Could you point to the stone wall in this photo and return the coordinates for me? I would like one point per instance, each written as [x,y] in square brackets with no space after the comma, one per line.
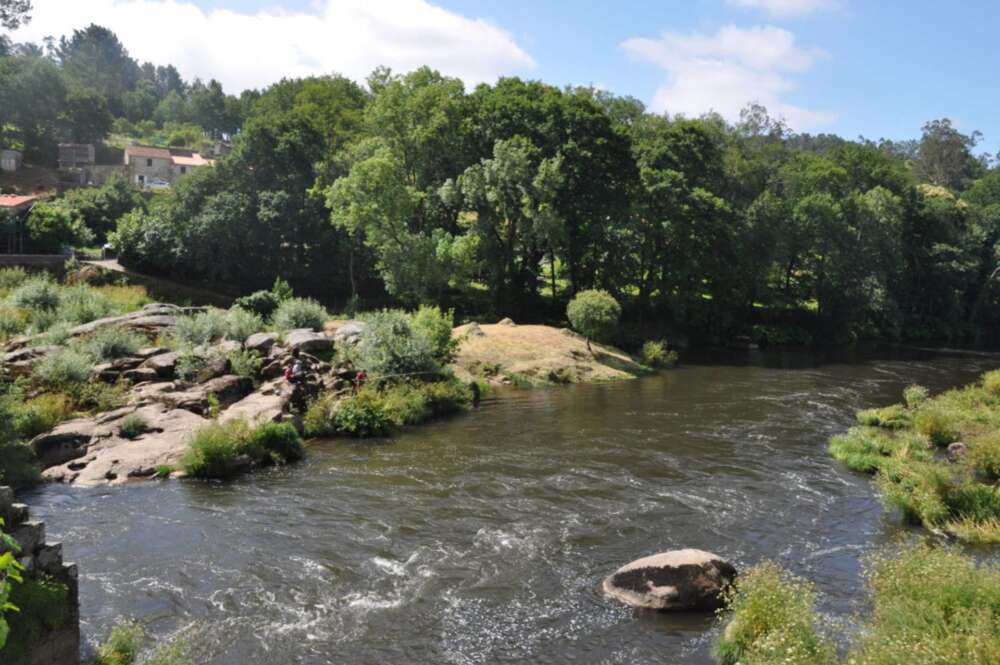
[60,646]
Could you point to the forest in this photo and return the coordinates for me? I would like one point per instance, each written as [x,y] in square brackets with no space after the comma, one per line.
[507,199]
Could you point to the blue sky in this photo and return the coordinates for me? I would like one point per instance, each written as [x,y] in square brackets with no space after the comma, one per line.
[878,69]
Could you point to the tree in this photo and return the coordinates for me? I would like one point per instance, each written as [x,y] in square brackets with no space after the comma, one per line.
[944,156]
[595,315]
[94,58]
[14,13]
[100,208]
[51,228]
[86,116]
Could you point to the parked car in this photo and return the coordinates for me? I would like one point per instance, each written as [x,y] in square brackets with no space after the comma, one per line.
[157,183]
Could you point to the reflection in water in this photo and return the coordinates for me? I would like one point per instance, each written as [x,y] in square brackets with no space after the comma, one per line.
[484,539]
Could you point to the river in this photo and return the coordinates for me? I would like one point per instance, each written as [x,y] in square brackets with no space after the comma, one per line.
[484,539]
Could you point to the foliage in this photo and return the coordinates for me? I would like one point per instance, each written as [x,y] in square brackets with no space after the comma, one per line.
[245,363]
[215,448]
[262,303]
[413,403]
[390,347]
[202,328]
[595,315]
[63,367]
[43,604]
[133,426]
[936,424]
[40,414]
[10,573]
[890,417]
[362,415]
[113,342]
[11,278]
[242,323]
[37,293]
[299,313]
[436,326]
[655,354]
[915,395]
[122,645]
[771,620]
[51,228]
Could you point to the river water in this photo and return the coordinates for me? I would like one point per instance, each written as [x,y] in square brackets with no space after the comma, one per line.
[484,539]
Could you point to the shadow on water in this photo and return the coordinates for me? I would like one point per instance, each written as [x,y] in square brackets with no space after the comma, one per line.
[484,539]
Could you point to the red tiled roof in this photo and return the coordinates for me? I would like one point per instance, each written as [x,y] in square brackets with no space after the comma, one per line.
[15,200]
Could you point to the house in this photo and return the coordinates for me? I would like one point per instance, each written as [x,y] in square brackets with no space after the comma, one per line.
[10,160]
[76,155]
[14,208]
[152,167]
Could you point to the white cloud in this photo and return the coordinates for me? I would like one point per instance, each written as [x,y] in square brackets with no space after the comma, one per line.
[786,8]
[725,71]
[245,50]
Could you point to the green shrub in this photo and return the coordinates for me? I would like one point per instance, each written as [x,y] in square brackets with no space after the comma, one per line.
[242,323]
[97,396]
[415,403]
[43,605]
[389,347]
[281,290]
[41,414]
[595,315]
[133,426]
[13,322]
[936,424]
[281,440]
[299,313]
[63,367]
[984,454]
[57,334]
[202,329]
[436,327]
[772,620]
[37,293]
[261,303]
[655,354]
[917,489]
[915,395]
[889,417]
[113,342]
[991,382]
[189,363]
[11,278]
[245,363]
[866,450]
[122,645]
[361,415]
[974,501]
[83,304]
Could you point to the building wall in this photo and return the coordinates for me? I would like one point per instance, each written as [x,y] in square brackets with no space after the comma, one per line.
[149,168]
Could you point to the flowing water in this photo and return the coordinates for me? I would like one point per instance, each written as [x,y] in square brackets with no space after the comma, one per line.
[484,539]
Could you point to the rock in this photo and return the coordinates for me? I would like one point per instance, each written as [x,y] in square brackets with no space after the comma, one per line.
[30,353]
[215,366]
[273,369]
[677,580]
[264,405]
[956,451]
[349,333]
[474,330]
[308,341]
[228,346]
[229,389]
[68,440]
[261,342]
[30,536]
[140,374]
[506,322]
[149,352]
[225,389]
[164,364]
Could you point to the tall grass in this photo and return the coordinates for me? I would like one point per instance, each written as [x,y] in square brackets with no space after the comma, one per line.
[215,449]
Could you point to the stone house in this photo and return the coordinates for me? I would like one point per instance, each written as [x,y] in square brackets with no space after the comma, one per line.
[152,167]
[10,160]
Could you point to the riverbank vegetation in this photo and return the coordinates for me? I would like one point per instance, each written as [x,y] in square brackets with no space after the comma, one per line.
[927,605]
[953,491]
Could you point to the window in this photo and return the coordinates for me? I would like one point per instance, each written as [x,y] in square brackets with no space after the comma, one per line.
[184,170]
[149,162]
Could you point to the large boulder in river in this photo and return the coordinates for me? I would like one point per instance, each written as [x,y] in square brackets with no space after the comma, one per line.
[676,580]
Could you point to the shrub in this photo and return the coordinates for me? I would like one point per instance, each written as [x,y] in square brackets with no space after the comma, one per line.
[655,354]
[991,382]
[113,342]
[13,321]
[281,440]
[82,304]
[241,323]
[594,314]
[984,454]
[122,645]
[299,313]
[937,425]
[202,329]
[97,396]
[772,620]
[40,414]
[50,228]
[974,501]
[262,303]
[389,347]
[361,415]
[63,367]
[11,278]
[915,395]
[133,426]
[436,327]
[889,417]
[43,603]
[917,489]
[57,334]
[37,293]
[245,363]
[189,363]
[866,450]
[412,404]
[124,297]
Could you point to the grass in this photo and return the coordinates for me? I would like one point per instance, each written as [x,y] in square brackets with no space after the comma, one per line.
[122,645]
[215,449]
[362,415]
[896,444]
[133,426]
[928,605]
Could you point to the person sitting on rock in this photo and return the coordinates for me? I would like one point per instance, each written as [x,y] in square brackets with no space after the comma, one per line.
[296,376]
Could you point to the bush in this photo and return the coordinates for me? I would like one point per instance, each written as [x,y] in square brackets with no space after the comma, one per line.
[82,304]
[11,278]
[37,293]
[44,605]
[595,315]
[281,440]
[984,454]
[655,354]
[245,363]
[262,303]
[215,447]
[122,645]
[202,329]
[412,404]
[937,425]
[889,417]
[189,363]
[772,620]
[97,396]
[436,327]
[917,489]
[64,367]
[361,415]
[51,228]
[133,426]
[41,414]
[390,347]
[915,395]
[241,323]
[13,322]
[299,313]
[58,334]
[113,342]
[991,382]
[866,450]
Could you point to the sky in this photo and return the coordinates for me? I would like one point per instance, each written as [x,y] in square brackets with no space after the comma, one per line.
[850,67]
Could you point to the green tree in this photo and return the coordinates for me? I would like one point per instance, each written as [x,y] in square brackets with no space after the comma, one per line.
[100,208]
[94,58]
[944,155]
[51,228]
[14,13]
[86,116]
[595,315]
